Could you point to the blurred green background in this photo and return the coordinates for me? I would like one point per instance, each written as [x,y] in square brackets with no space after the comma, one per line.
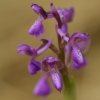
[16,17]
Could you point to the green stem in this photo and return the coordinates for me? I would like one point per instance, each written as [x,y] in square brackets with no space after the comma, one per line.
[69,84]
[69,88]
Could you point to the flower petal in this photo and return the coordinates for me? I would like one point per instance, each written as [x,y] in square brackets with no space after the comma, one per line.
[26,50]
[56,15]
[51,62]
[81,40]
[66,14]
[37,28]
[77,58]
[48,63]
[56,79]
[42,88]
[33,67]
[39,10]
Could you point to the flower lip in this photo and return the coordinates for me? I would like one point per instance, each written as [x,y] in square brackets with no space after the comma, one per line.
[42,88]
[56,79]
[78,59]
[38,9]
[77,55]
[37,28]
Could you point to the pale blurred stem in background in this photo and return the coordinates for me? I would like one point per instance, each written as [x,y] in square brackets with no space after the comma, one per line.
[69,90]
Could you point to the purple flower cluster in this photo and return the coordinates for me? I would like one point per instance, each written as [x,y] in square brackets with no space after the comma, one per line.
[72,48]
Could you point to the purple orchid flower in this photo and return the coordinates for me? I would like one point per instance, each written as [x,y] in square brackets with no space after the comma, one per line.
[30,51]
[76,48]
[51,65]
[37,28]
[73,48]
[34,65]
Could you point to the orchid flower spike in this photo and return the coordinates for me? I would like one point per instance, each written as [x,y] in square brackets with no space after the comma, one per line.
[70,51]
